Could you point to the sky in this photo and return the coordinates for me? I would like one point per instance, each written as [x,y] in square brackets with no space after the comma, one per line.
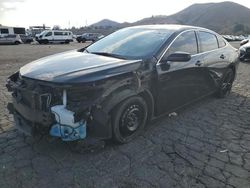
[68,13]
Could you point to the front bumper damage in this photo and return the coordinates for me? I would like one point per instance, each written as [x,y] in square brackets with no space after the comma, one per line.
[37,110]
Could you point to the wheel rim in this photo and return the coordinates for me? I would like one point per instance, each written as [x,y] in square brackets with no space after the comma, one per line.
[227,84]
[131,120]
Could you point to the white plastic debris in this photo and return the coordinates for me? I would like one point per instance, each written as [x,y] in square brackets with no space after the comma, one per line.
[172,114]
[223,151]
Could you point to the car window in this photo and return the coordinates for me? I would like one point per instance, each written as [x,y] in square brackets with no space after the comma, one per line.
[4,31]
[132,43]
[58,33]
[208,41]
[186,42]
[11,36]
[48,34]
[221,42]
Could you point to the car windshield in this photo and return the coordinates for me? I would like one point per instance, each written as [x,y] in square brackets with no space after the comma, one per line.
[131,43]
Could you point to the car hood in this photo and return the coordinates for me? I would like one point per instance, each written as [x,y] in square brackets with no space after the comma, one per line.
[77,67]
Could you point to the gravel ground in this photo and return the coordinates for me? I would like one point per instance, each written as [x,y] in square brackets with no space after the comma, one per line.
[206,145]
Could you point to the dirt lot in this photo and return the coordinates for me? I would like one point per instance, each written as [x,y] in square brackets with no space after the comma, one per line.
[205,145]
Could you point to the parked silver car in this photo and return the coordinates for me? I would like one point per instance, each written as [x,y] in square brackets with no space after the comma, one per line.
[89,37]
[10,39]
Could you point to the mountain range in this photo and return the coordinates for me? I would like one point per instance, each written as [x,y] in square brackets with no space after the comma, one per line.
[224,18]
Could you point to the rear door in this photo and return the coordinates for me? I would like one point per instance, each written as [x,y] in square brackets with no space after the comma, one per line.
[215,58]
[182,82]
[2,39]
[58,36]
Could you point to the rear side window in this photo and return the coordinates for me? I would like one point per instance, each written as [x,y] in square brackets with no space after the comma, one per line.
[58,33]
[186,42]
[221,42]
[208,41]
[11,36]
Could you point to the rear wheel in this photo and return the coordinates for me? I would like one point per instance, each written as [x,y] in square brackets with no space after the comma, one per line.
[226,85]
[17,42]
[128,119]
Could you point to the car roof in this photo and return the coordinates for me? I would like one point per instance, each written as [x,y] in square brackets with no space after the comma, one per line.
[173,27]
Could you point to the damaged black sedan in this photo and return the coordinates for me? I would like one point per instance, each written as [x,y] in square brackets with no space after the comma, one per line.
[113,87]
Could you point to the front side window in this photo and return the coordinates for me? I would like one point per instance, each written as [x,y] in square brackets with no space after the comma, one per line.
[208,41]
[186,42]
[48,34]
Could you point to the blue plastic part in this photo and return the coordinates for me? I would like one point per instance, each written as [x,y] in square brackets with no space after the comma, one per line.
[69,133]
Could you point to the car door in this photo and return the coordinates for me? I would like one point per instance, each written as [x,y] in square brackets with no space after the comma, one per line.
[2,39]
[10,39]
[215,58]
[181,82]
[57,36]
[48,36]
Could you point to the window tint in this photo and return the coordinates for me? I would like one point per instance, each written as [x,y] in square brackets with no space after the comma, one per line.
[221,42]
[186,42]
[58,33]
[4,31]
[48,34]
[208,41]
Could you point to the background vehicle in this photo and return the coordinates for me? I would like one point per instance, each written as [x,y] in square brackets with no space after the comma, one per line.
[10,39]
[113,87]
[54,36]
[245,50]
[26,38]
[5,30]
[89,37]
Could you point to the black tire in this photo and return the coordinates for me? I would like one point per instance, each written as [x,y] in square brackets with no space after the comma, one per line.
[45,41]
[17,42]
[129,119]
[67,42]
[226,84]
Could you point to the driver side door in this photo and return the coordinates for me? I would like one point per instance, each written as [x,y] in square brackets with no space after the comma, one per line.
[181,82]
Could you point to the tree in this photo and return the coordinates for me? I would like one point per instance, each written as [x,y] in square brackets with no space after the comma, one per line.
[56,27]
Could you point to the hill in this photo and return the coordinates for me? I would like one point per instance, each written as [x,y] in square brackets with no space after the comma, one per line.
[224,17]
[106,23]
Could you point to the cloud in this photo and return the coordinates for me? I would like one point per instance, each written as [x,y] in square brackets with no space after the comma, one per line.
[9,5]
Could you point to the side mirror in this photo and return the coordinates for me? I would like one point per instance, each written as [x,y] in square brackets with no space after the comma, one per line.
[244,42]
[179,57]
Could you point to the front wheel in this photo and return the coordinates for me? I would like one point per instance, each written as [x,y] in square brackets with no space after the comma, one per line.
[129,119]
[226,84]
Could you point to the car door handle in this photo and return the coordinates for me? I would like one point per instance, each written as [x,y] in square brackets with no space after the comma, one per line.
[222,56]
[198,63]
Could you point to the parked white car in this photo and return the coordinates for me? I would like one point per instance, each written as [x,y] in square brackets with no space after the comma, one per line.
[54,36]
[10,39]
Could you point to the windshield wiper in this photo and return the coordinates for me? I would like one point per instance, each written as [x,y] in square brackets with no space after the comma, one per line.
[108,54]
